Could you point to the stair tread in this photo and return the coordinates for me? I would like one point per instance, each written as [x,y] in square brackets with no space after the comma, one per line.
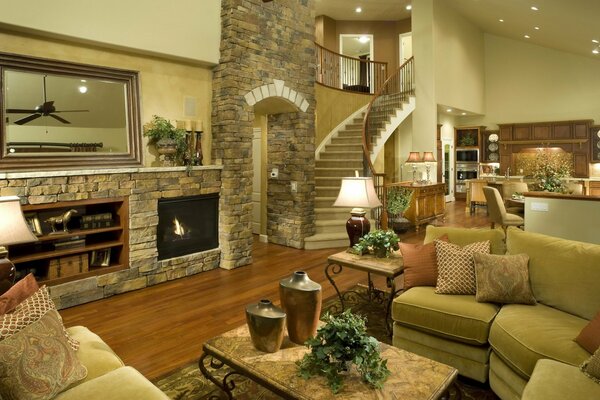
[327,236]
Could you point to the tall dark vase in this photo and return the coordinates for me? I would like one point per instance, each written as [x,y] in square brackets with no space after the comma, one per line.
[266,324]
[301,300]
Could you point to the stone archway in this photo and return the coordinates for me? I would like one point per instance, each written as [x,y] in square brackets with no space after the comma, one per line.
[260,44]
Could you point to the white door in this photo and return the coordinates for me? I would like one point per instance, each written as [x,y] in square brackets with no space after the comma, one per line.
[405,47]
[448,167]
[256,180]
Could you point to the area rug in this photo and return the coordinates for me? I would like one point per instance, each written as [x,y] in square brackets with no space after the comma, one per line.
[187,383]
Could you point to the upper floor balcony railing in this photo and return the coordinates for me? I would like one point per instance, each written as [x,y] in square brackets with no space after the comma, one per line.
[348,73]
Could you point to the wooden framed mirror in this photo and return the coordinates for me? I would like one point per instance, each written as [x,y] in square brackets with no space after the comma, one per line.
[59,114]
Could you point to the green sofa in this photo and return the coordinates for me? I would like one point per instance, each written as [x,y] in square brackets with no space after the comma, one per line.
[108,377]
[503,344]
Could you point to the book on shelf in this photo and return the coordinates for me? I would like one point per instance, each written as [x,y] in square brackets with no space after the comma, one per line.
[69,244]
[94,221]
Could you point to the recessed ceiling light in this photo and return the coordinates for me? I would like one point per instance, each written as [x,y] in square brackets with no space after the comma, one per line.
[82,89]
[448,110]
[537,28]
[409,7]
[358,9]
[526,36]
[595,51]
[363,39]
[464,113]
[595,41]
[534,8]
[501,20]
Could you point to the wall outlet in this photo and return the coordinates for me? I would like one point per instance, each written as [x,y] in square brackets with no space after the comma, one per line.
[274,173]
[294,186]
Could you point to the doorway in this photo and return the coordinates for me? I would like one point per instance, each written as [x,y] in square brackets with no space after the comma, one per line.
[448,168]
[356,73]
[405,42]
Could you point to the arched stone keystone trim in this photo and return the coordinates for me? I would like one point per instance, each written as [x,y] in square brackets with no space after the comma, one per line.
[276,89]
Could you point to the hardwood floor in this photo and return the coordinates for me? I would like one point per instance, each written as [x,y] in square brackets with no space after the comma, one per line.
[160,328]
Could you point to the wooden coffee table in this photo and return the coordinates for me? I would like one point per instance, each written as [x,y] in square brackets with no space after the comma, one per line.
[412,377]
[390,268]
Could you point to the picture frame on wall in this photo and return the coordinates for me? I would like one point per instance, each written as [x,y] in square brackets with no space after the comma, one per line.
[100,258]
[33,222]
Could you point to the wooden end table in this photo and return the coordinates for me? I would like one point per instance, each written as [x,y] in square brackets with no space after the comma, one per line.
[412,377]
[390,268]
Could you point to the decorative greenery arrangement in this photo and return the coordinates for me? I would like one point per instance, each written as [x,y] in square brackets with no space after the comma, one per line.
[398,199]
[379,243]
[549,170]
[160,128]
[341,342]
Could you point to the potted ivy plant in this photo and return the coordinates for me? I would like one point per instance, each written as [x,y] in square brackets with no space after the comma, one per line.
[339,344]
[169,141]
[397,201]
[380,243]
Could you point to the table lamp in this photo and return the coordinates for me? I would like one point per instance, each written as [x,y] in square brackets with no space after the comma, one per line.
[428,158]
[13,230]
[357,192]
[414,157]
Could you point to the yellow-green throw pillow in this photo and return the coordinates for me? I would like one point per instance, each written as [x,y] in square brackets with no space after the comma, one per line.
[591,367]
[502,279]
[37,363]
[456,273]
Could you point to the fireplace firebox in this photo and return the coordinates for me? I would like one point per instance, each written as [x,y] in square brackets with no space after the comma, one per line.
[187,225]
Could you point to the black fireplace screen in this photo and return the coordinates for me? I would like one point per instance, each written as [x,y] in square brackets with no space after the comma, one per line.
[187,225]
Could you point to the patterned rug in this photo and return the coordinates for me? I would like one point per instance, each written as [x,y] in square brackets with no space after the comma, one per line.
[187,383]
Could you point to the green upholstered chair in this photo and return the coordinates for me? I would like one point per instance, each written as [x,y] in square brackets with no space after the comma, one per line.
[497,211]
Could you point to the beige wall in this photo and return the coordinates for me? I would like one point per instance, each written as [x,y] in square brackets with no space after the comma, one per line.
[530,83]
[459,60]
[164,84]
[187,29]
[333,107]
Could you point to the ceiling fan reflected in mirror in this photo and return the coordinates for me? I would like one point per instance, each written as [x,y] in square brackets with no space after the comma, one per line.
[46,109]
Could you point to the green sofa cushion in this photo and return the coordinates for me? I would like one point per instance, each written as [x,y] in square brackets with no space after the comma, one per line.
[124,383]
[457,317]
[97,357]
[553,380]
[563,273]
[464,236]
[523,334]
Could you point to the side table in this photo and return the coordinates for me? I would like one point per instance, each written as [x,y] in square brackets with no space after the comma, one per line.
[389,268]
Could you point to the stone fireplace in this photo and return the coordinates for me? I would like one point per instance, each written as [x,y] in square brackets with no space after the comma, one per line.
[143,188]
[187,225]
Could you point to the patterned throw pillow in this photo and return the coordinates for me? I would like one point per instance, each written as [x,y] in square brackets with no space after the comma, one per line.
[591,367]
[28,312]
[589,337]
[420,264]
[456,273]
[37,362]
[503,279]
[18,293]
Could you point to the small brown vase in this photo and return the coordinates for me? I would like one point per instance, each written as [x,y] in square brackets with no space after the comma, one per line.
[266,323]
[301,300]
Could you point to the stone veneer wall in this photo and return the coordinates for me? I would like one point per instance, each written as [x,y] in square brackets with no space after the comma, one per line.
[261,43]
[143,187]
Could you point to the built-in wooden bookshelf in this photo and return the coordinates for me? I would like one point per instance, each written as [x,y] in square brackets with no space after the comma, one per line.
[87,248]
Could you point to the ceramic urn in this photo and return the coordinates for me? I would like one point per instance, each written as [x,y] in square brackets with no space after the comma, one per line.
[266,323]
[301,301]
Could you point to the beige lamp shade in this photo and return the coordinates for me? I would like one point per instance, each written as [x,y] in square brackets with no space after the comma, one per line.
[13,227]
[414,157]
[428,157]
[357,192]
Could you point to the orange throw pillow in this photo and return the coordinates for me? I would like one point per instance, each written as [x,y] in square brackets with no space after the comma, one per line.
[420,264]
[16,294]
[589,337]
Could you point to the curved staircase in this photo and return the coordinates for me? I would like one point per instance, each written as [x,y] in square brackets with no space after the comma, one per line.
[343,152]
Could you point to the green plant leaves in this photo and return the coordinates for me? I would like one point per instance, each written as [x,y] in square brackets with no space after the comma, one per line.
[376,242]
[343,341]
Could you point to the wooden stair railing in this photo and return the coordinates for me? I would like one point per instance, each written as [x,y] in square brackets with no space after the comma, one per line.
[338,71]
[396,90]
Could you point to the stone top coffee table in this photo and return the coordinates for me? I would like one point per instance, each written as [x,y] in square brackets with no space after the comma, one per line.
[412,377]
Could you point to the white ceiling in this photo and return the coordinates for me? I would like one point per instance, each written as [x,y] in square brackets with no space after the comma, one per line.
[567,25]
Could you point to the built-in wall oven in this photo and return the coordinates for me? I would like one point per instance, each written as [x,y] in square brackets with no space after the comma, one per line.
[467,155]
[465,171]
